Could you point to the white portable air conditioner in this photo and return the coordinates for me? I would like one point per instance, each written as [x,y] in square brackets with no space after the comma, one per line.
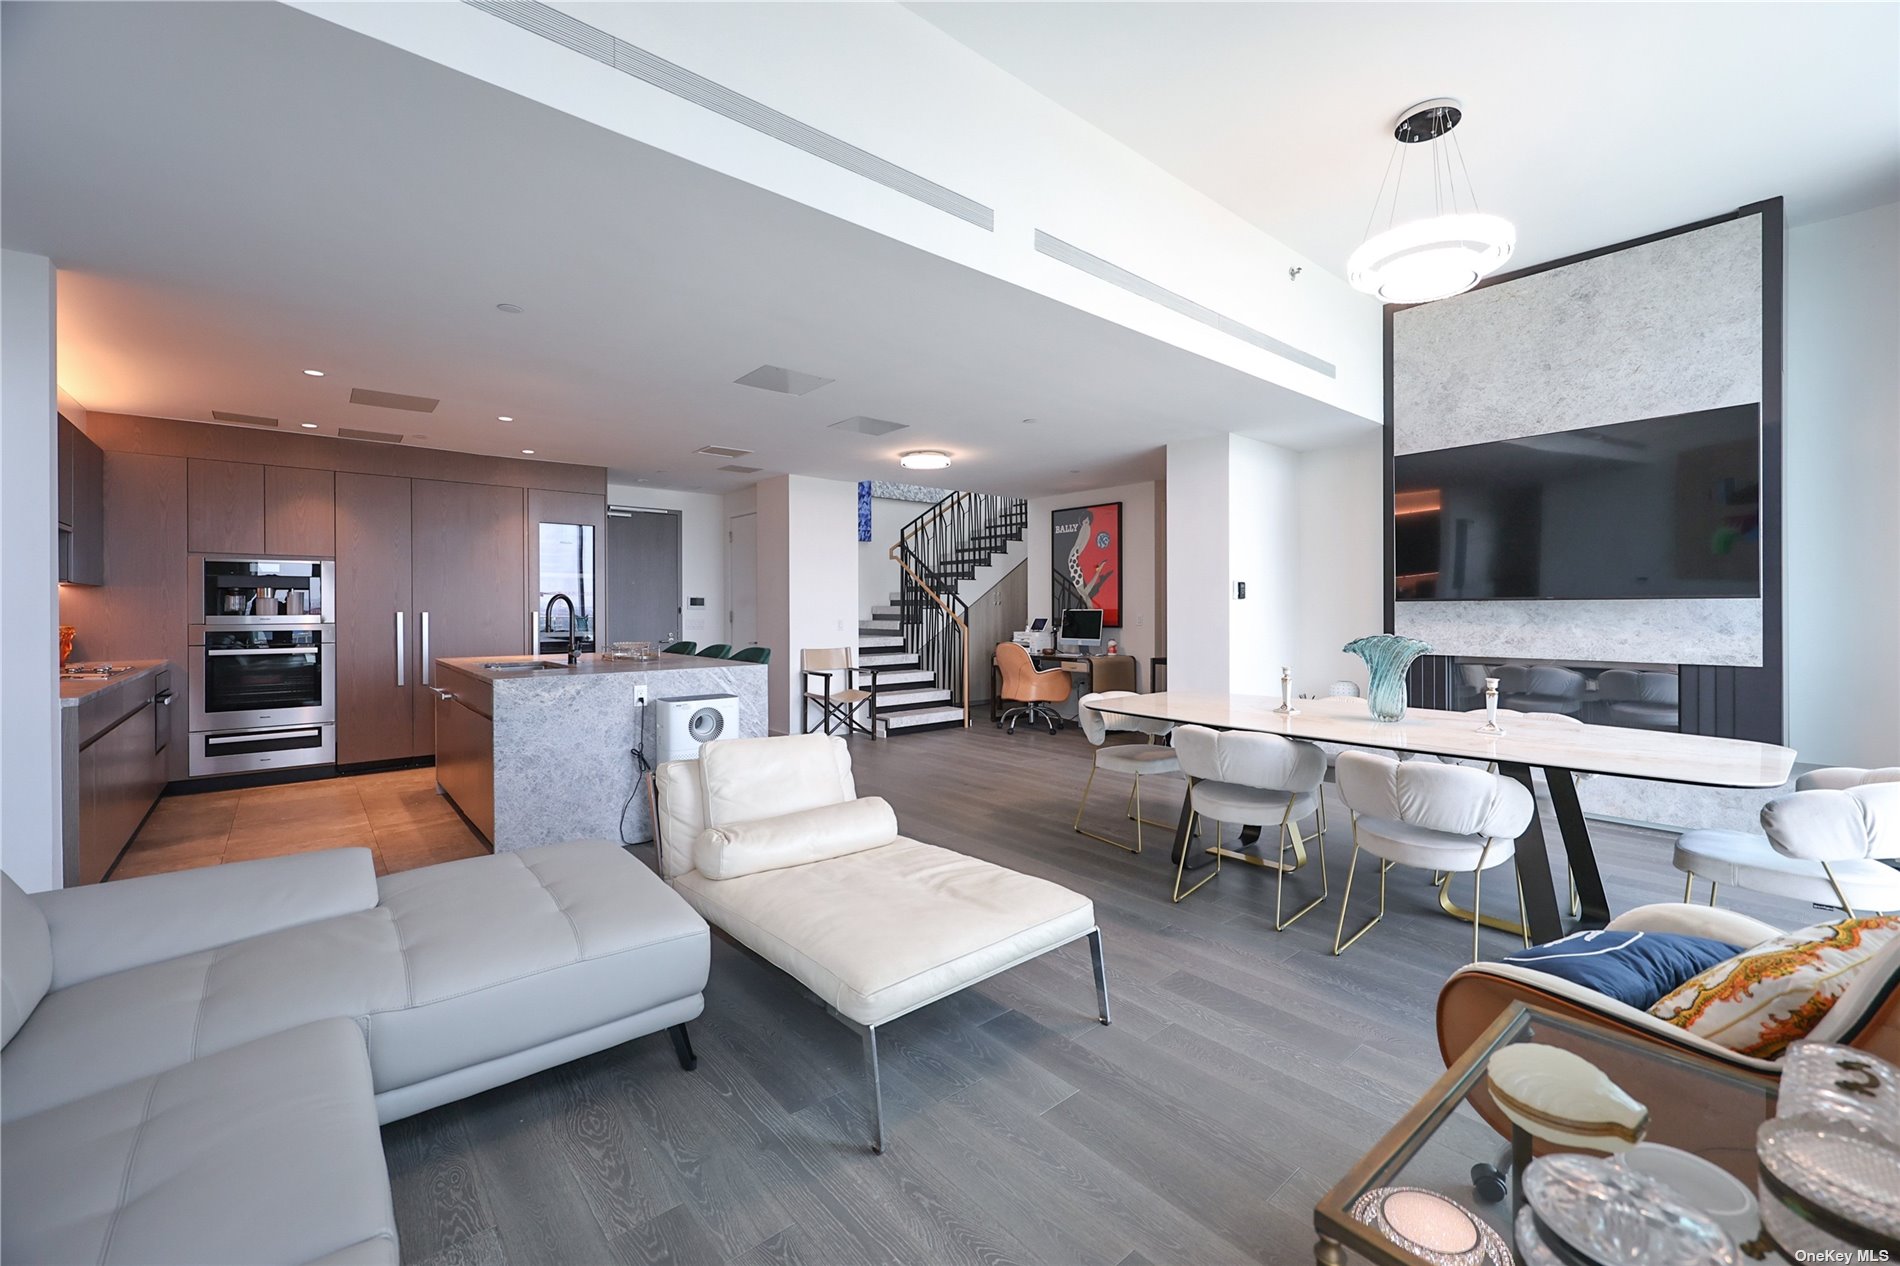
[681,725]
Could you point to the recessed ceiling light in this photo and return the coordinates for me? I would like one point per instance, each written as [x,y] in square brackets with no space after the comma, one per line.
[503,418]
[527,452]
[924,459]
[308,426]
[314,373]
[510,308]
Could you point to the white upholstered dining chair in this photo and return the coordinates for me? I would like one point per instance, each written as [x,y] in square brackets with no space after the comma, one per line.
[1149,757]
[1827,842]
[1255,780]
[1433,816]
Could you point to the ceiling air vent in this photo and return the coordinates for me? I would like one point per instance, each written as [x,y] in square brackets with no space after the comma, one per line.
[392,400]
[379,437]
[1115,275]
[743,470]
[869,426]
[248,419]
[720,450]
[629,59]
[791,382]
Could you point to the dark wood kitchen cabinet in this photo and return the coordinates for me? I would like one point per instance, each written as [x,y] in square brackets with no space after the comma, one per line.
[299,512]
[224,507]
[82,508]
[376,664]
[468,578]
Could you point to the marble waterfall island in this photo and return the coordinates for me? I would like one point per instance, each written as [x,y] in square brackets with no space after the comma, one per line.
[534,751]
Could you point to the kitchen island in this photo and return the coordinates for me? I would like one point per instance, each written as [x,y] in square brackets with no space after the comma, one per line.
[534,751]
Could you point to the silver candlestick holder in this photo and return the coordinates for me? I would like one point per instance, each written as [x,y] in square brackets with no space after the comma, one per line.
[1490,725]
[1286,707]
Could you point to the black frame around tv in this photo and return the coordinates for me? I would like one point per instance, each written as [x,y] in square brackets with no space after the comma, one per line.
[1664,507]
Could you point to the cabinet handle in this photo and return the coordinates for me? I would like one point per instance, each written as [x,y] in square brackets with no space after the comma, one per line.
[401,678]
[427,665]
[440,693]
[534,643]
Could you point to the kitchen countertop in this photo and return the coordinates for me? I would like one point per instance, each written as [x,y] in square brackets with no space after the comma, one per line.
[590,666]
[73,691]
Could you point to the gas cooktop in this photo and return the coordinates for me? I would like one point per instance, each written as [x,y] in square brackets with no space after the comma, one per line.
[91,672]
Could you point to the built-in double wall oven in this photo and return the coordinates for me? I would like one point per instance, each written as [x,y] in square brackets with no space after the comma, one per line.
[263,681]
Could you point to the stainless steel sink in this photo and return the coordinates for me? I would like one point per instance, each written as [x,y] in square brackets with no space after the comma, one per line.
[521,665]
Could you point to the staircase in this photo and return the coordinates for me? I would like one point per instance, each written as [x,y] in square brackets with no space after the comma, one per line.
[920,640]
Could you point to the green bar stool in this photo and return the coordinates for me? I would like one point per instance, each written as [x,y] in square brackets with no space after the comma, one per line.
[718,650]
[682,648]
[753,654]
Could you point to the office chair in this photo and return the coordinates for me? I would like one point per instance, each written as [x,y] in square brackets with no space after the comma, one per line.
[1035,690]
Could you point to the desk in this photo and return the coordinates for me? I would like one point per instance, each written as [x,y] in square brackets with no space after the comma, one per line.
[1653,755]
[1077,666]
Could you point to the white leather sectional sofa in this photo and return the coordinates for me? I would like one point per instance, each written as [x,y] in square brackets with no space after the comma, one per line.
[196,1064]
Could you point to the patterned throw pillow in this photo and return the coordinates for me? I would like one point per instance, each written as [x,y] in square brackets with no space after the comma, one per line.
[1762,1000]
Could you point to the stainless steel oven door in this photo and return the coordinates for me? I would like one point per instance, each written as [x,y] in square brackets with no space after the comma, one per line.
[257,678]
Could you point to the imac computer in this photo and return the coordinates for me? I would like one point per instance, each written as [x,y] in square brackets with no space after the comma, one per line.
[1081,629]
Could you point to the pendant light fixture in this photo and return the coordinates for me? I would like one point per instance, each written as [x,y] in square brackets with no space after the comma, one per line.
[1441,254]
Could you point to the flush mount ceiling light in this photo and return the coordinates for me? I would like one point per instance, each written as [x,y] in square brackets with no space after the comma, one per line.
[924,459]
[512,309]
[308,426]
[314,373]
[504,418]
[527,452]
[1438,255]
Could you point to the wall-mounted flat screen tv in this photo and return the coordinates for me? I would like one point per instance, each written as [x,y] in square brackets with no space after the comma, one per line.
[1666,507]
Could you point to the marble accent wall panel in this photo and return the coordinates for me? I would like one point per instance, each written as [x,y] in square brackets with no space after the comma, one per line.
[1669,327]
[1650,631]
[1672,326]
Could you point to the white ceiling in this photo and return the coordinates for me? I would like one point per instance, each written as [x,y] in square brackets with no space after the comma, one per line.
[237,192]
[1586,124]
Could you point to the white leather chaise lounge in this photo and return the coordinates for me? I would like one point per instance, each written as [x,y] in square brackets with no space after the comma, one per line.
[768,839]
[196,1064]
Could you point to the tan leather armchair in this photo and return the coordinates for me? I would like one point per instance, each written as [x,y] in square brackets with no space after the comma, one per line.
[1867,1016]
[1034,690]
[1112,672]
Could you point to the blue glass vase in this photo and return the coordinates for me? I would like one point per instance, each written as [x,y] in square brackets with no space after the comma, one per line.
[1387,657]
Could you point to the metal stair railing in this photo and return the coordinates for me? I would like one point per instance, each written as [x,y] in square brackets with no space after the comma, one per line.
[935,621]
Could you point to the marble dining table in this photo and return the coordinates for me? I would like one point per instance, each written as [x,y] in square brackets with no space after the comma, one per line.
[1560,751]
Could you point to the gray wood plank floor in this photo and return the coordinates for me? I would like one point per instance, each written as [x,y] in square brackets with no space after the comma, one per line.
[1245,1071]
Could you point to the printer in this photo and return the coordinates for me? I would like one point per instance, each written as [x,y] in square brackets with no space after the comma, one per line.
[1038,638]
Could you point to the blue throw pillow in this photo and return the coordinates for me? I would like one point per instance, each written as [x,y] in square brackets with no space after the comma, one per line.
[1637,968]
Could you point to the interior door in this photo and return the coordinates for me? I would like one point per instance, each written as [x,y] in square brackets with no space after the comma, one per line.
[467,583]
[742,580]
[643,602]
[375,649]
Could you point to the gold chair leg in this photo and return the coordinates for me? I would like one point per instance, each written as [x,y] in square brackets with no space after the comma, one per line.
[1712,887]
[1845,904]
[1576,898]
[1688,886]
[1477,902]
[1346,900]
[1523,917]
[1094,835]
[1180,867]
[1290,828]
[1463,915]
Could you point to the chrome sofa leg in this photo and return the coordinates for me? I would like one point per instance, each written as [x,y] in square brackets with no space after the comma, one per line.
[877,1090]
[1101,973]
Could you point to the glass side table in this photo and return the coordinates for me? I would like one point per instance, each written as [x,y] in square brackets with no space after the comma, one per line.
[1694,1103]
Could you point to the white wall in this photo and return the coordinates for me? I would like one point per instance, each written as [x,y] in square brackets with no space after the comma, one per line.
[1341,561]
[877,570]
[808,577]
[30,819]
[1143,599]
[1263,551]
[702,552]
[1842,517]
[1197,571]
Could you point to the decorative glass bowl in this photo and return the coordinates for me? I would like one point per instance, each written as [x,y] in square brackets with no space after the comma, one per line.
[1604,1211]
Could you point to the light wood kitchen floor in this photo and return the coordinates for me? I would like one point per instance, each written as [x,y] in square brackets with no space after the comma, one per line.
[396,815]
